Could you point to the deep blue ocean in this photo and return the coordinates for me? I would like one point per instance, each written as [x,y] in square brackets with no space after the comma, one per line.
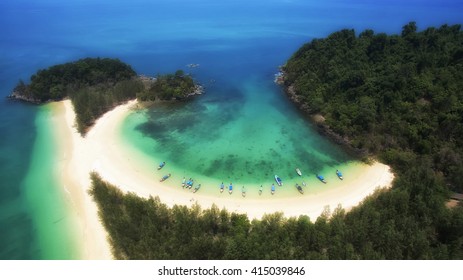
[231,40]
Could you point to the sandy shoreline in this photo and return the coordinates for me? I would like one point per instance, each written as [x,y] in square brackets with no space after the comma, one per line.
[102,151]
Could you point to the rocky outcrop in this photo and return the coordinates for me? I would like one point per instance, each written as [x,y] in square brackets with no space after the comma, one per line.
[17,96]
[198,90]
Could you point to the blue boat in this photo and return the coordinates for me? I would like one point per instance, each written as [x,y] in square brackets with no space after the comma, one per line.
[165,177]
[321,178]
[189,183]
[278,180]
[339,174]
[273,188]
[222,186]
[161,165]
[230,188]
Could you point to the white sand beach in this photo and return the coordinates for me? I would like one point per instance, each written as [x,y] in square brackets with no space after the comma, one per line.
[102,151]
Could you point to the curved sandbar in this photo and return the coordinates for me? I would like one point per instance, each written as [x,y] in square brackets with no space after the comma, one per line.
[103,151]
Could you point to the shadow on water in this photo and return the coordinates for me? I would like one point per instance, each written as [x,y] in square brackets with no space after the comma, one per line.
[177,127]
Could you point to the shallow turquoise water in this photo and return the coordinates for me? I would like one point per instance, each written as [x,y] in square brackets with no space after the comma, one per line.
[45,196]
[246,140]
[242,129]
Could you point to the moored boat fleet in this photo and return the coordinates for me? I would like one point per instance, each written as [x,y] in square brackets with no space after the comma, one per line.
[189,184]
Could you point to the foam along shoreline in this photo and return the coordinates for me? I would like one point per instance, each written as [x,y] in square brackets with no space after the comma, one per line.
[103,151]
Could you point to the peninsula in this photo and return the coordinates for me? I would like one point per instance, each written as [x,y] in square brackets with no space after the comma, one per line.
[96,85]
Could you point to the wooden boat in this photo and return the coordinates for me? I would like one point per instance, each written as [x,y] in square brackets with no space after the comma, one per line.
[243,191]
[230,188]
[299,188]
[273,188]
[278,180]
[260,190]
[339,174]
[222,186]
[298,171]
[165,177]
[197,188]
[321,178]
[161,165]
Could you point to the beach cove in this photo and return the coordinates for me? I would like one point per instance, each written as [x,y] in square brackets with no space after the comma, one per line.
[103,151]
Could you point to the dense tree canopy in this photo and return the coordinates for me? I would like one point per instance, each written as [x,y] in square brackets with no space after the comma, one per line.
[92,102]
[56,82]
[396,96]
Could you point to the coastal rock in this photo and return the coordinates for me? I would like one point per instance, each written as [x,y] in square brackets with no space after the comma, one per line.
[197,91]
[18,96]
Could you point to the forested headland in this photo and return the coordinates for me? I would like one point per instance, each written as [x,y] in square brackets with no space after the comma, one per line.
[396,96]
[399,97]
[96,85]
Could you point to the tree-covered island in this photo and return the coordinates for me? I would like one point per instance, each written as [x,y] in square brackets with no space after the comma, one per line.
[96,85]
[399,97]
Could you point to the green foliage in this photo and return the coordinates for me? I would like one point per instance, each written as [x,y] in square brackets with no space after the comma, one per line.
[56,82]
[92,102]
[171,86]
[397,96]
[96,85]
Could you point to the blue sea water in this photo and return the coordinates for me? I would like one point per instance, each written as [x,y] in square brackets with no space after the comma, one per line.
[239,45]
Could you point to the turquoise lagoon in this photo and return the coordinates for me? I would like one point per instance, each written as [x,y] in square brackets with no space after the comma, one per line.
[243,130]
[244,141]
